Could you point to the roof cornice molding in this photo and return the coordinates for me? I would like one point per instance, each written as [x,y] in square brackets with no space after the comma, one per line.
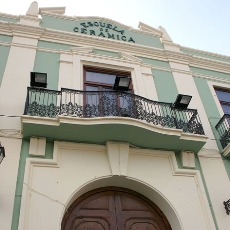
[76,39]
[210,64]
[78,18]
[53,10]
[139,50]
[205,52]
[9,16]
[146,28]
[178,57]
[26,30]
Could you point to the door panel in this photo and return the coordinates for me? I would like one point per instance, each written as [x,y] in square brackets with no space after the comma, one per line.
[90,224]
[116,210]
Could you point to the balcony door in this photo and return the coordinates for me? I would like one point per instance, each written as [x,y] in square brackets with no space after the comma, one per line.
[224,99]
[100,98]
[114,209]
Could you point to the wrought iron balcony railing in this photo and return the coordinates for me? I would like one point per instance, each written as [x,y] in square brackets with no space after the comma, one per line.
[223,128]
[88,104]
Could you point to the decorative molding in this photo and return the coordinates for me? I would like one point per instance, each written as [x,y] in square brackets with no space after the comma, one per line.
[165,35]
[37,146]
[208,77]
[130,57]
[205,53]
[33,10]
[188,159]
[53,10]
[11,133]
[29,20]
[118,154]
[26,30]
[82,50]
[9,16]
[31,163]
[210,64]
[31,17]
[102,43]
[146,28]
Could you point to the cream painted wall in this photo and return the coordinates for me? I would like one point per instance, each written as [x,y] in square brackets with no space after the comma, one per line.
[72,65]
[15,81]
[51,185]
[14,85]
[209,156]
[186,85]
[218,184]
[8,172]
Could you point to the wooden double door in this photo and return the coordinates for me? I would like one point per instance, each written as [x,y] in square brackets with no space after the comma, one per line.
[114,209]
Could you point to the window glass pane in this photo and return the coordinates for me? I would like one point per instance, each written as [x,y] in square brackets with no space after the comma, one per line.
[226,109]
[223,96]
[91,98]
[100,77]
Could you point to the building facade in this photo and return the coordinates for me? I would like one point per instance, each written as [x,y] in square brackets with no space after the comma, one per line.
[86,151]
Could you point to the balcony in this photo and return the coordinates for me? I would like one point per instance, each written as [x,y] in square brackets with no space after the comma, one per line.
[111,115]
[223,128]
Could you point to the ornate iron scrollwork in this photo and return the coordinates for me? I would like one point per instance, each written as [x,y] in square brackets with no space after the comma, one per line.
[227,206]
[223,128]
[88,104]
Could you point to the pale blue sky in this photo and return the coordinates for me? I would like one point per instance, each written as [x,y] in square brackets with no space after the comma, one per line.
[199,24]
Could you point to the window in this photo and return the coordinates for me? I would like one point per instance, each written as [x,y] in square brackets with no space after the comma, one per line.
[100,98]
[224,98]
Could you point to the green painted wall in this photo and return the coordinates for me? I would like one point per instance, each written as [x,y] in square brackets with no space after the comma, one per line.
[4,53]
[210,73]
[106,53]
[212,113]
[98,31]
[20,178]
[19,185]
[154,62]
[165,86]
[8,19]
[5,38]
[53,45]
[47,62]
[209,104]
[206,56]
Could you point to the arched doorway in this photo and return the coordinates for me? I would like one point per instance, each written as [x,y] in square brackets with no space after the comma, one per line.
[115,209]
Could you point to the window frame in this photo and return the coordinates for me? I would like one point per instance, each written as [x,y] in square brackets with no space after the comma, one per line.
[104,71]
[222,102]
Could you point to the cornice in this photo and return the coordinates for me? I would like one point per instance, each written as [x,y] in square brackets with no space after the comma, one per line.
[205,52]
[102,43]
[210,64]
[26,30]
[211,78]
[5,28]
[76,39]
[149,29]
[9,16]
[70,18]
[178,57]
[78,18]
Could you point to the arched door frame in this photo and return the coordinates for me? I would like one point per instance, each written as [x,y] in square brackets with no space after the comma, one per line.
[130,193]
[132,184]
